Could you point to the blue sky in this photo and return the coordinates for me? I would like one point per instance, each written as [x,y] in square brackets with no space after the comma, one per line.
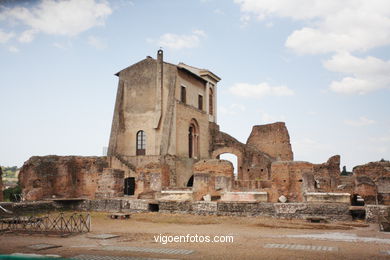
[323,67]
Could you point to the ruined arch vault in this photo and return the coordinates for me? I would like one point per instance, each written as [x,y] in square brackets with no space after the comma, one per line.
[236,152]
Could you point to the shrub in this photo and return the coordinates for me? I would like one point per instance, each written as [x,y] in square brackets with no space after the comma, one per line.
[12,194]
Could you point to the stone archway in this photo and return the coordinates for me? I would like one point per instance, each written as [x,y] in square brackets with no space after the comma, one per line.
[236,152]
[193,139]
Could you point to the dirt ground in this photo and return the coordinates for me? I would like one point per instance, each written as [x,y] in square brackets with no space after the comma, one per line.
[350,240]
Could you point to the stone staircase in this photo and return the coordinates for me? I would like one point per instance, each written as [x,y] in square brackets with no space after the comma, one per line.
[147,195]
[124,162]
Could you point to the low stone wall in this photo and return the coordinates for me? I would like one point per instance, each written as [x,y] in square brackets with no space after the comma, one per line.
[249,196]
[338,212]
[374,212]
[114,205]
[22,208]
[331,211]
[326,197]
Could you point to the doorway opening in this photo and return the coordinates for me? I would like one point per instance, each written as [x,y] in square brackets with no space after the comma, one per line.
[153,207]
[357,200]
[233,159]
[190,182]
[129,186]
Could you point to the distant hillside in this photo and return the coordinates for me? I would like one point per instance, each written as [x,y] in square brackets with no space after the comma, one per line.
[10,172]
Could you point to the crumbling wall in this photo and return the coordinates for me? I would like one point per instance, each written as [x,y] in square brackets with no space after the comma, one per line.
[110,183]
[287,179]
[221,143]
[367,190]
[151,178]
[60,176]
[212,177]
[373,170]
[253,165]
[183,171]
[372,182]
[120,162]
[272,139]
[293,178]
[256,165]
[327,175]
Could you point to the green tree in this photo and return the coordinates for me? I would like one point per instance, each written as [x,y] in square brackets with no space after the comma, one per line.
[12,194]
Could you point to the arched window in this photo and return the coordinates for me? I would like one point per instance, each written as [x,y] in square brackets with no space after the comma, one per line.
[211,99]
[193,139]
[141,142]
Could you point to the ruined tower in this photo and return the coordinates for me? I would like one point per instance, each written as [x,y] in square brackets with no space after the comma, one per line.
[163,109]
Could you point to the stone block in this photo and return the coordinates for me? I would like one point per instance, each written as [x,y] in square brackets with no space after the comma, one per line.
[203,207]
[214,167]
[250,196]
[175,206]
[327,197]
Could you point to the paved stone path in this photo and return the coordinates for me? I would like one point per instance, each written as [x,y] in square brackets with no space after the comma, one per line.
[301,247]
[103,257]
[149,250]
[42,246]
[103,236]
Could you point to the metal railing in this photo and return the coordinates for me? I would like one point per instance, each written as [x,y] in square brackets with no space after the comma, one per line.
[61,223]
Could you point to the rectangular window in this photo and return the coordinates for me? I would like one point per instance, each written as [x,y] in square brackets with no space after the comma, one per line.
[211,105]
[200,102]
[183,94]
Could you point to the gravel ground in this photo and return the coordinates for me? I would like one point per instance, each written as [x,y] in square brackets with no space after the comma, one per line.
[254,238]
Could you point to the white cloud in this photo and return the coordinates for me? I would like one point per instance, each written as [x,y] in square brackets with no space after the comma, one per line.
[96,42]
[232,110]
[27,36]
[337,27]
[5,37]
[367,74]
[245,19]
[333,25]
[259,90]
[13,49]
[183,41]
[381,139]
[362,121]
[67,18]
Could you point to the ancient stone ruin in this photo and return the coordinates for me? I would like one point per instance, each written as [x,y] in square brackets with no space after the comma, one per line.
[164,149]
